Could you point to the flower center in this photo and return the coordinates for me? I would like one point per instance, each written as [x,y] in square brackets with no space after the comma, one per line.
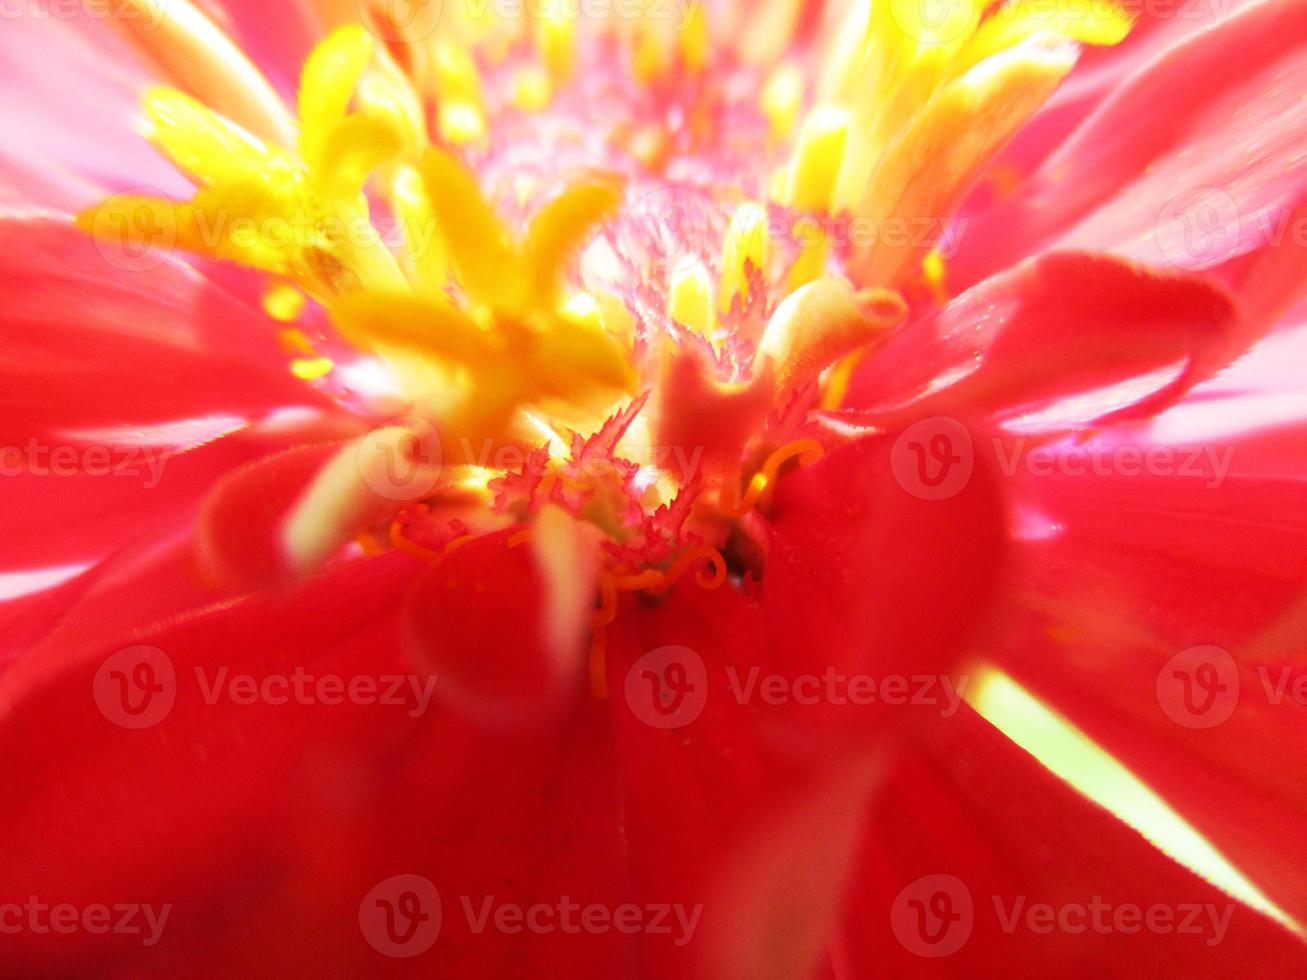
[645,342]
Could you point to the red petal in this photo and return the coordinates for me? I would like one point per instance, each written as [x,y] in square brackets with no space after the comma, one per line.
[477,620]
[872,572]
[971,826]
[1139,571]
[1183,165]
[726,817]
[1063,335]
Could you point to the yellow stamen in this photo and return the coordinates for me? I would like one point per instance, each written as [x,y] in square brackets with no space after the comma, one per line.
[299,214]
[782,97]
[744,250]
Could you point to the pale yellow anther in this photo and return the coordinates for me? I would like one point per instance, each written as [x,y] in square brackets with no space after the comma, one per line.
[814,252]
[532,89]
[745,249]
[690,302]
[817,159]
[782,98]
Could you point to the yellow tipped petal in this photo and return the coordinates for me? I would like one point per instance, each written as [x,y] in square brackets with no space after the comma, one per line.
[425,324]
[424,249]
[207,147]
[821,323]
[582,359]
[327,85]
[931,164]
[1087,21]
[817,159]
[352,150]
[479,244]
[560,229]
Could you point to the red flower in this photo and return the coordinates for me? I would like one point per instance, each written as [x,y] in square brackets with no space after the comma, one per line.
[779,491]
